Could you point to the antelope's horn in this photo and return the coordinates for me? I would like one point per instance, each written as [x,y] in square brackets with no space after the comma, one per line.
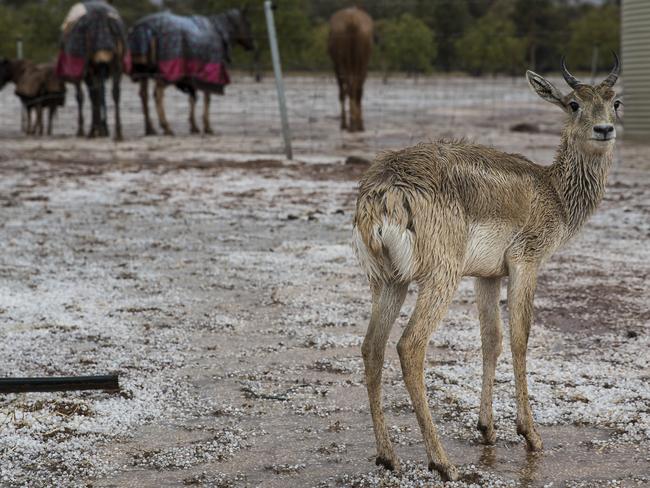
[613,75]
[568,77]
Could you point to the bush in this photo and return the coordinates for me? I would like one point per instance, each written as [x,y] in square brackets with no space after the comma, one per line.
[406,44]
[490,46]
[598,28]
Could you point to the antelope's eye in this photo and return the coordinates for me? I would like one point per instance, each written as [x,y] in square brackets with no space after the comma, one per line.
[574,106]
[617,104]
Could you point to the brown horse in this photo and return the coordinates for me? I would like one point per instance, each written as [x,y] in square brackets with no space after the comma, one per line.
[350,45]
[38,87]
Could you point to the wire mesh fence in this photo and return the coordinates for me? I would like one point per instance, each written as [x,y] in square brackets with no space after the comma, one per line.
[398,108]
[397,112]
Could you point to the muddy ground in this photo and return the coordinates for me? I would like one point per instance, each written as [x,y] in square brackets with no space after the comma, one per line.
[217,279]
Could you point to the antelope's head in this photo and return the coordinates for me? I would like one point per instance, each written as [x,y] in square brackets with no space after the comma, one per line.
[591,109]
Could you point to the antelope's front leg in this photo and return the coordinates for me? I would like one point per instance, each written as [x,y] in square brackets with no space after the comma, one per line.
[487,299]
[521,291]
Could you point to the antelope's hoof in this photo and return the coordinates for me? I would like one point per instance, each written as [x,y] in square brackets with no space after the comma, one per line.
[533,439]
[447,472]
[391,464]
[488,432]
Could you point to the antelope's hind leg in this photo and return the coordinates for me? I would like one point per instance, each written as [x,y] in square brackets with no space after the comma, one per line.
[387,301]
[487,299]
[434,297]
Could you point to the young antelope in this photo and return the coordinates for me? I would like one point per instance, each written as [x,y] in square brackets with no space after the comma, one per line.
[433,213]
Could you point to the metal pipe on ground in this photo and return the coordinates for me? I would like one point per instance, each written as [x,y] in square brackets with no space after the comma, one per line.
[59,383]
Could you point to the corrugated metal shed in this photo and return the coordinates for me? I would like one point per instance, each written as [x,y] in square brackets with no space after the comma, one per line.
[636,68]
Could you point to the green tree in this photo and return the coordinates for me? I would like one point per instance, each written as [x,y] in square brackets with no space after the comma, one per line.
[407,44]
[449,19]
[315,54]
[490,46]
[9,31]
[598,28]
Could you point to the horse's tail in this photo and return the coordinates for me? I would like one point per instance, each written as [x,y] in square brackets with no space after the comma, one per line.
[142,44]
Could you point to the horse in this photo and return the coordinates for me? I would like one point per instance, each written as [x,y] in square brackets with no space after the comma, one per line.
[38,87]
[190,52]
[94,48]
[350,45]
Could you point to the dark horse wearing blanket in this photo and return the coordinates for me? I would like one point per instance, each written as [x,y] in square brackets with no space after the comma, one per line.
[94,48]
[189,52]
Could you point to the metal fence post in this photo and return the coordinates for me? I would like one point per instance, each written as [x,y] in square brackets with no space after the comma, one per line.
[277,71]
[19,47]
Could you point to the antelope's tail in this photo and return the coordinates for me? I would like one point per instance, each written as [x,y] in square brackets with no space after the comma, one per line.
[383,237]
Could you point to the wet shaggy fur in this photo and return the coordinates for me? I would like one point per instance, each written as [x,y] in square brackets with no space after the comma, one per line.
[433,213]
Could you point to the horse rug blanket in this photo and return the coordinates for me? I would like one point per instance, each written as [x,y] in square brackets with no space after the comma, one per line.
[91,30]
[190,50]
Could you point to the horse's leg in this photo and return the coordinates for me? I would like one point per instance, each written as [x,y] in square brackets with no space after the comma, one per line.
[117,76]
[28,129]
[359,96]
[206,113]
[144,97]
[193,128]
[39,120]
[159,93]
[80,105]
[103,114]
[341,83]
[354,103]
[50,116]
[92,94]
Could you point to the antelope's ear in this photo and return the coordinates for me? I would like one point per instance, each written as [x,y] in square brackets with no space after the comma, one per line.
[545,89]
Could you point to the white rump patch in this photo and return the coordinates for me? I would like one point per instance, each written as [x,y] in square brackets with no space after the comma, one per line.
[368,264]
[398,241]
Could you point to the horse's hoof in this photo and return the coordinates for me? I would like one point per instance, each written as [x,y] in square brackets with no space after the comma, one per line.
[168,132]
[194,130]
[391,464]
[447,472]
[208,131]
